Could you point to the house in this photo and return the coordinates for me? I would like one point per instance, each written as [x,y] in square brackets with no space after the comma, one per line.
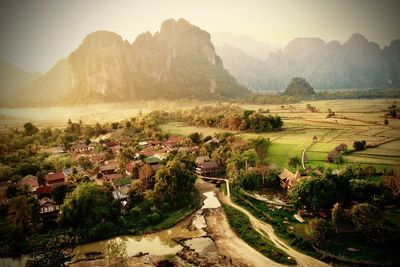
[44,191]
[54,179]
[121,194]
[131,166]
[202,159]
[47,205]
[289,179]
[121,182]
[335,153]
[154,162]
[97,158]
[108,168]
[31,181]
[68,171]
[78,148]
[112,176]
[208,168]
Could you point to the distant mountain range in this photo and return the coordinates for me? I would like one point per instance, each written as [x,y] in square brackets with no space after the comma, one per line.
[12,79]
[357,63]
[255,49]
[179,61]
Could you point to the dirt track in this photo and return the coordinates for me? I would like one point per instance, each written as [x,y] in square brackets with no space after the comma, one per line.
[267,231]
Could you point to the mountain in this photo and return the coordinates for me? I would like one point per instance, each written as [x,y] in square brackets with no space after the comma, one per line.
[13,78]
[248,71]
[179,61]
[357,63]
[255,49]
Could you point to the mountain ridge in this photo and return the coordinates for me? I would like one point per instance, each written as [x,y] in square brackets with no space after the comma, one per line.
[357,63]
[179,61]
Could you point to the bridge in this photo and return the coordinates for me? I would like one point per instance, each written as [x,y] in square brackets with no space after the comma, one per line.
[228,191]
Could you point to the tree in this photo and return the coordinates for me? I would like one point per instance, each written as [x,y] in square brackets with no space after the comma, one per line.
[146,176]
[260,145]
[19,212]
[195,138]
[294,161]
[299,87]
[392,182]
[366,219]
[337,215]
[59,193]
[88,205]
[315,193]
[115,253]
[30,129]
[317,231]
[386,121]
[359,145]
[174,183]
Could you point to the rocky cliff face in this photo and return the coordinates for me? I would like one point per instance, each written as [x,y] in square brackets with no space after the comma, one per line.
[356,63]
[179,61]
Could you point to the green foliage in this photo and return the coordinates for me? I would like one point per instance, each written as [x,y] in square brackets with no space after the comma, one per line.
[241,225]
[318,231]
[359,145]
[299,87]
[314,193]
[30,129]
[88,205]
[174,182]
[195,138]
[229,117]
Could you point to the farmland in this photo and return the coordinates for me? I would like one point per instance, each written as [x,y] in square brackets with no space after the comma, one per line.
[354,120]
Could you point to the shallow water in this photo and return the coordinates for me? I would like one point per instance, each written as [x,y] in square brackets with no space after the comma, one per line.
[211,201]
[199,244]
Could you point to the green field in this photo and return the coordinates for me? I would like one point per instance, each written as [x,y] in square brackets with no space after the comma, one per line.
[355,120]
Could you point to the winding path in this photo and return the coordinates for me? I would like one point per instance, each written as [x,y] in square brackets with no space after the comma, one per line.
[267,231]
[304,153]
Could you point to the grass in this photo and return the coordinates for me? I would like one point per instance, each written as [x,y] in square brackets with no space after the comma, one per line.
[241,225]
[275,217]
[336,244]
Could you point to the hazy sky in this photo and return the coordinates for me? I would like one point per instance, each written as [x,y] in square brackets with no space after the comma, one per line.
[35,34]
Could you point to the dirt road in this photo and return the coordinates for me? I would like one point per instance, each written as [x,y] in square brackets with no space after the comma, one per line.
[267,231]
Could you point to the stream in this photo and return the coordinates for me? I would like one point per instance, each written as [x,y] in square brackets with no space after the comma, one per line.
[191,231]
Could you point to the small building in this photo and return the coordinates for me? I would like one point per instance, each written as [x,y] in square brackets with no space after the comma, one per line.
[54,179]
[97,158]
[154,162]
[47,205]
[121,182]
[208,168]
[289,179]
[31,181]
[44,191]
[112,176]
[201,159]
[108,168]
[335,153]
[78,148]
[132,166]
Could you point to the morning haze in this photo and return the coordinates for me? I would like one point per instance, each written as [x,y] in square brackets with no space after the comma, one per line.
[36,34]
[188,133]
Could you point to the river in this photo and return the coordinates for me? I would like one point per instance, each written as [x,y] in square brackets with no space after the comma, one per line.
[164,242]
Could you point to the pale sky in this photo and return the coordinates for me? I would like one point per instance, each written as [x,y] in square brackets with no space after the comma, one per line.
[35,34]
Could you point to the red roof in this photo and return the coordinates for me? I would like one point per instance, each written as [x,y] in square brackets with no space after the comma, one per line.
[46,190]
[54,177]
[129,167]
[111,143]
[30,180]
